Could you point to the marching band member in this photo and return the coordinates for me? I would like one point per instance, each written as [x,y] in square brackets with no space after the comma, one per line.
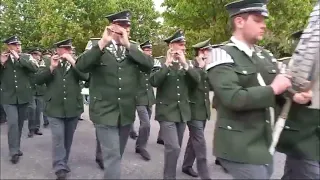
[173,80]
[200,113]
[114,65]
[145,100]
[36,105]
[243,77]
[247,93]
[64,102]
[15,91]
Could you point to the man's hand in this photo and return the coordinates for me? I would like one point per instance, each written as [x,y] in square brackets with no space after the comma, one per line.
[54,62]
[4,57]
[200,60]
[107,36]
[169,58]
[69,58]
[303,97]
[182,59]
[124,38]
[15,54]
[280,84]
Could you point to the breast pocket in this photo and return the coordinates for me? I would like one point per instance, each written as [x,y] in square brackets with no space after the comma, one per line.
[246,75]
[272,72]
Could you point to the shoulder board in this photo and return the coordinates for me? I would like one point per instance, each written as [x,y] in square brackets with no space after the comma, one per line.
[219,56]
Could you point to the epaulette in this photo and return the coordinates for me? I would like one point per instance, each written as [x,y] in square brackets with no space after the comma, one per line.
[219,56]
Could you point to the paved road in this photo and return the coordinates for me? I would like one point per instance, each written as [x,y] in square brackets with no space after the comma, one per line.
[36,162]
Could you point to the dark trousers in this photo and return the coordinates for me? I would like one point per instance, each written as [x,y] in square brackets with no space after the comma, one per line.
[16,114]
[98,149]
[113,141]
[144,113]
[301,169]
[196,148]
[172,134]
[3,116]
[62,130]
[35,111]
[247,171]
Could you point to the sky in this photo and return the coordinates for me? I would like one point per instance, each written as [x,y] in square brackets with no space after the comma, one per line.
[158,5]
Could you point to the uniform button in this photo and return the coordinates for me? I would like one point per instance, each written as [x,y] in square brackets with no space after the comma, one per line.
[147,79]
[178,101]
[16,86]
[119,98]
[119,78]
[146,84]
[267,121]
[15,76]
[229,127]
[119,67]
[178,94]
[147,89]
[119,88]
[15,81]
[287,127]
[64,92]
[177,79]
[64,79]
[14,70]
[178,87]
[64,98]
[146,74]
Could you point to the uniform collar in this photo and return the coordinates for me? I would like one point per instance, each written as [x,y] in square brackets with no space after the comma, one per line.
[242,46]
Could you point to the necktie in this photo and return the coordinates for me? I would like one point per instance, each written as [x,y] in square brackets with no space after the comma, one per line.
[119,50]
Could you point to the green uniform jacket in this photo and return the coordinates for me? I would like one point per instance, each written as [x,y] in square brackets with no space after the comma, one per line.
[113,83]
[243,129]
[300,137]
[145,96]
[62,96]
[15,81]
[38,90]
[199,98]
[172,99]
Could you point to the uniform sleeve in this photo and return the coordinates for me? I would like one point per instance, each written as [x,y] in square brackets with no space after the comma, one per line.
[44,74]
[227,88]
[82,76]
[194,75]
[28,63]
[144,61]
[88,59]
[158,73]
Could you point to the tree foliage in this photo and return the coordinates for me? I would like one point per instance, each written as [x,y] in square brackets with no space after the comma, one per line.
[209,19]
[42,23]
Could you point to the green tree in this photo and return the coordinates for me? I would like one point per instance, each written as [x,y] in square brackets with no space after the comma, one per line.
[42,23]
[209,19]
